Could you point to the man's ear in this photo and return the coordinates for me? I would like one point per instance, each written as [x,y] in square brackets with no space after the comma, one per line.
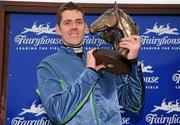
[58,30]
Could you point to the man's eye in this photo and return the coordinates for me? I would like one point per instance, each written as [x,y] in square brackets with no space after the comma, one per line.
[67,23]
[79,21]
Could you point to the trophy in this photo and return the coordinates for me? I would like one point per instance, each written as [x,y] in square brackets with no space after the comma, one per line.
[113,25]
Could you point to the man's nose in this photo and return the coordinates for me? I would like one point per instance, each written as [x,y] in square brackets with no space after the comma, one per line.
[74,25]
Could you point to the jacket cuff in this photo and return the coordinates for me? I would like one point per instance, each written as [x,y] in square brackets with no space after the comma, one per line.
[92,69]
[90,76]
[134,61]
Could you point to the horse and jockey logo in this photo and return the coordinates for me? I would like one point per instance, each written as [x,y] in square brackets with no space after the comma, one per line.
[162,29]
[168,107]
[40,29]
[146,68]
[36,110]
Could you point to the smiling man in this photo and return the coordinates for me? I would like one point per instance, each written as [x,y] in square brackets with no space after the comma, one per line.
[72,27]
[76,91]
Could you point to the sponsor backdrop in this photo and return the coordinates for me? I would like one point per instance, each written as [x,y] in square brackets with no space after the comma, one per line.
[33,36]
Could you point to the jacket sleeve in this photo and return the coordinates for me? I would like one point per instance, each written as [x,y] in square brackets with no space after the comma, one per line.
[131,89]
[60,101]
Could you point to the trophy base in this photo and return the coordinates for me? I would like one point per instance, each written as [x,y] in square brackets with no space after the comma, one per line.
[114,62]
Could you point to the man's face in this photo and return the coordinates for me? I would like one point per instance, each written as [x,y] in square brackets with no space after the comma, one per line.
[72,27]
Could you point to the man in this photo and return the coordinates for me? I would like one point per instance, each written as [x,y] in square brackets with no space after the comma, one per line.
[76,91]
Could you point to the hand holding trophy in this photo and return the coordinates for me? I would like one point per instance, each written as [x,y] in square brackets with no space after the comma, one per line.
[113,25]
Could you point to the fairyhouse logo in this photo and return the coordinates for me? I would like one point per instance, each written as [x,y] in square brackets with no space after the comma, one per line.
[40,36]
[34,111]
[172,108]
[37,37]
[176,79]
[160,37]
[148,77]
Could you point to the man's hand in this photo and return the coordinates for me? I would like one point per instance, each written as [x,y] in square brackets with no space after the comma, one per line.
[133,44]
[91,61]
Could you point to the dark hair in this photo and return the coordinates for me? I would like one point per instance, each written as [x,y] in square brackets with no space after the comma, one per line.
[68,6]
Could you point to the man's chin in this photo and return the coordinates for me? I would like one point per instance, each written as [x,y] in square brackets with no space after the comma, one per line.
[76,42]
